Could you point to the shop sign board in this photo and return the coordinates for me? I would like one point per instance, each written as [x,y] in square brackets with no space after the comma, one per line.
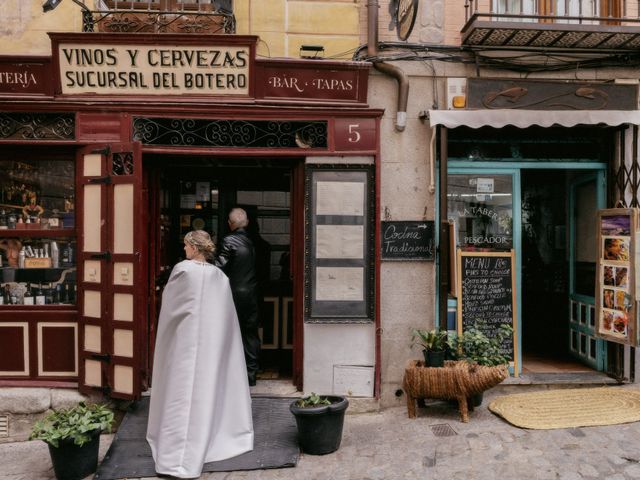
[616,281]
[24,76]
[107,64]
[318,80]
[487,295]
[499,93]
[407,240]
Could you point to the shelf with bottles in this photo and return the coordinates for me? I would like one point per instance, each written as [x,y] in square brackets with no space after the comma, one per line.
[33,233]
[17,219]
[36,253]
[61,292]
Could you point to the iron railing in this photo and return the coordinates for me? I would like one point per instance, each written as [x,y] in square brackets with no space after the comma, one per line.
[157,16]
[589,12]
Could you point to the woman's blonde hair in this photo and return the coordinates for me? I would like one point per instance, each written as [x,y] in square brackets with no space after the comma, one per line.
[202,242]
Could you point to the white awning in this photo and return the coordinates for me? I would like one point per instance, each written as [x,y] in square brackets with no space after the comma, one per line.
[527,118]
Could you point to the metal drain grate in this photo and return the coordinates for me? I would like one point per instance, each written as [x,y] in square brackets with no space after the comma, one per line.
[443,430]
[4,425]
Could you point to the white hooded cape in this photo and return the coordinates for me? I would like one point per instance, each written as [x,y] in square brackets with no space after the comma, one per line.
[200,407]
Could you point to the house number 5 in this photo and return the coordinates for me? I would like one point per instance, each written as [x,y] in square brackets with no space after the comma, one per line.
[354,134]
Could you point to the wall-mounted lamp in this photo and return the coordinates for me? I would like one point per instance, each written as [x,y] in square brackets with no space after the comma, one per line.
[87,16]
[50,5]
[311,51]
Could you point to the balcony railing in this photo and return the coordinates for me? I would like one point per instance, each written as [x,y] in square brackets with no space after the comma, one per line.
[158,16]
[560,24]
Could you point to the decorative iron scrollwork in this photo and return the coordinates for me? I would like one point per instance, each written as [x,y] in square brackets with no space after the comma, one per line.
[230,133]
[122,163]
[37,126]
[136,21]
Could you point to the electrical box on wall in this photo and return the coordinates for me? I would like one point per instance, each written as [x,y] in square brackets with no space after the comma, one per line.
[353,380]
[456,93]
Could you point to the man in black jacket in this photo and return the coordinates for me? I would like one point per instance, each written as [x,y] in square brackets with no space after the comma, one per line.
[237,259]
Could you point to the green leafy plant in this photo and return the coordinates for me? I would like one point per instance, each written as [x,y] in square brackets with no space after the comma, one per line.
[474,346]
[430,340]
[78,423]
[313,400]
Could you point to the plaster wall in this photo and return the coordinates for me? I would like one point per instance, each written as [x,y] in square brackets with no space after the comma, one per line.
[407,295]
[282,25]
[327,345]
[24,27]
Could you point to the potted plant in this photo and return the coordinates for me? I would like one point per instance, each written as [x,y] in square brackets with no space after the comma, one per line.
[73,437]
[434,345]
[476,347]
[319,420]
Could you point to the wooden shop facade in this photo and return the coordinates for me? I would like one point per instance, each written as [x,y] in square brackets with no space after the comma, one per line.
[117,145]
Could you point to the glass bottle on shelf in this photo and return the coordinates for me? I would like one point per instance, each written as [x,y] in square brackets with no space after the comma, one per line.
[57,294]
[65,295]
[40,298]
[11,221]
[28,296]
[3,220]
[48,294]
[2,295]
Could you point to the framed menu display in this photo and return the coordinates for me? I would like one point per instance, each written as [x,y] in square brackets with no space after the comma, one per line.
[615,277]
[339,280]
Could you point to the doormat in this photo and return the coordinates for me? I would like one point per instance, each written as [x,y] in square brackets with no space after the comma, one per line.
[569,408]
[275,443]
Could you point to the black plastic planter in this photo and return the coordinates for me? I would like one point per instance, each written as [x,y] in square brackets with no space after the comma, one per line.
[434,358]
[71,462]
[320,428]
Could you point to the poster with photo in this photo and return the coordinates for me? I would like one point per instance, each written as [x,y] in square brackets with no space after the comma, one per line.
[616,284]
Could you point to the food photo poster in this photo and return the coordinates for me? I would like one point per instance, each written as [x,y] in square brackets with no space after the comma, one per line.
[615,286]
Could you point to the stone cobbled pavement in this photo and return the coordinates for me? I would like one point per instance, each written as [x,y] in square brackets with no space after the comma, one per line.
[389,445]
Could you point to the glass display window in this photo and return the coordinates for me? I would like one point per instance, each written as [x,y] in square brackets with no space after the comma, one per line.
[37,271]
[37,194]
[37,232]
[481,208]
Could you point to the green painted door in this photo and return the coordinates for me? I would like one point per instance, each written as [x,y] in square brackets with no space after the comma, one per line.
[586,195]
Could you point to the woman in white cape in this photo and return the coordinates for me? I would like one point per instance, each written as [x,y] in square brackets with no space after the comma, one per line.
[200,407]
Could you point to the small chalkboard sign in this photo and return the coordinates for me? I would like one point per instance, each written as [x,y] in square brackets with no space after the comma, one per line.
[486,289]
[407,240]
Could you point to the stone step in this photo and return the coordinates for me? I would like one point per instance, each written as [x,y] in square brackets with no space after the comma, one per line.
[547,381]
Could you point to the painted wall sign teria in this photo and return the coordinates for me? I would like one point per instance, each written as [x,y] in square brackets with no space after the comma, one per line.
[24,77]
[103,65]
[616,275]
[487,296]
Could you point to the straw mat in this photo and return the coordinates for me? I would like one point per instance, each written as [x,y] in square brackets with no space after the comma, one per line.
[569,408]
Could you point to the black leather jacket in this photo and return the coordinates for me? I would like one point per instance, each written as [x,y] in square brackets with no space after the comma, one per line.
[237,259]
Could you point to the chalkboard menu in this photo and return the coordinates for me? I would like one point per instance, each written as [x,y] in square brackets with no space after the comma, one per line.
[486,292]
[407,240]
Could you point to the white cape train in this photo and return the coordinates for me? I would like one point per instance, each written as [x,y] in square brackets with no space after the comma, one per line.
[200,402]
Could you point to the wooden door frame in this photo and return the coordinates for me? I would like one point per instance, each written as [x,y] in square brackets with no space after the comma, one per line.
[296,258]
[296,242]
